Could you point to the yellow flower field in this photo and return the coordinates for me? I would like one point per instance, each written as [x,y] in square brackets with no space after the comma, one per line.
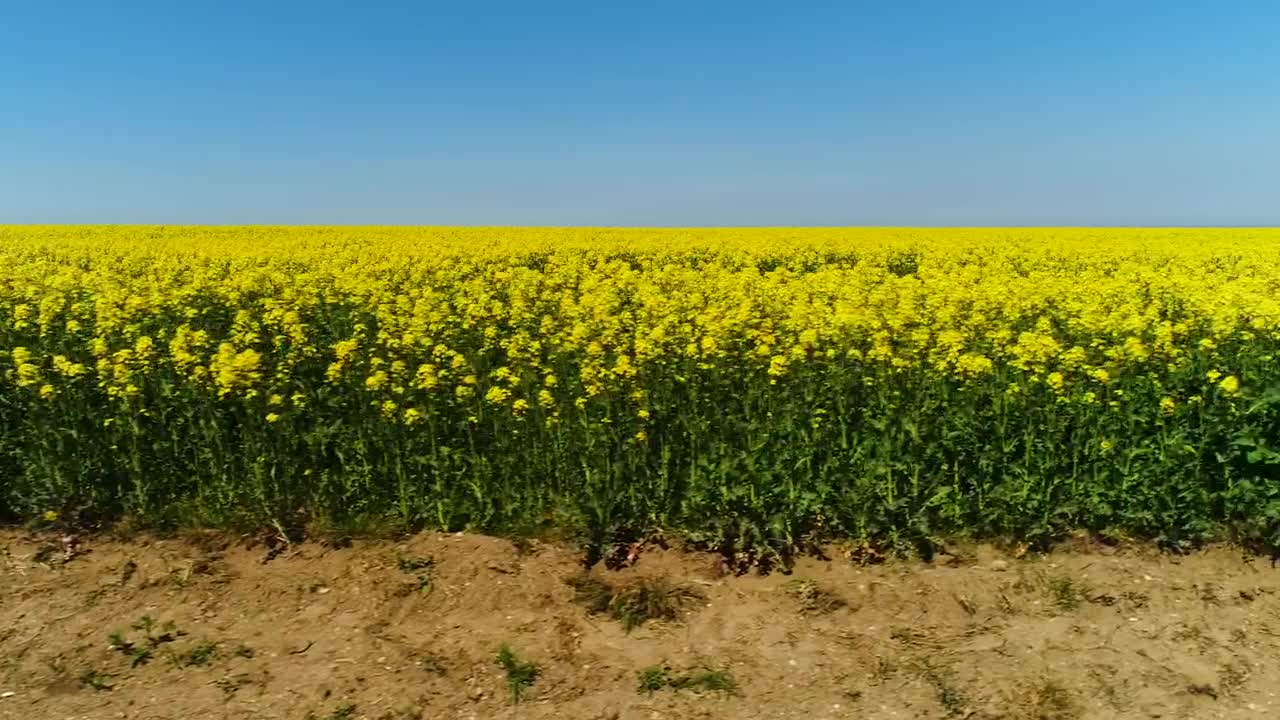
[752,390]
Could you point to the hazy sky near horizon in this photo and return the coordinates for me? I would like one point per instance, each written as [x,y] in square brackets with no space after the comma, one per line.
[655,113]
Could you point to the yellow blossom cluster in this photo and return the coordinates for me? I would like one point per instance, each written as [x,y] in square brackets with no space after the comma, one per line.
[532,321]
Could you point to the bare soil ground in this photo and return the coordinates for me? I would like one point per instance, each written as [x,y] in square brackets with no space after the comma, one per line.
[392,631]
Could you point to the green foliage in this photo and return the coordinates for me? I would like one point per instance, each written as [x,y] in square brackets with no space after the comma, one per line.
[1066,593]
[419,568]
[200,654]
[653,679]
[520,674]
[344,712]
[97,680]
[154,635]
[116,641]
[662,677]
[731,459]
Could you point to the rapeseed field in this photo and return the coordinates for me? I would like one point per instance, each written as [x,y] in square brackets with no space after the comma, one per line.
[752,391]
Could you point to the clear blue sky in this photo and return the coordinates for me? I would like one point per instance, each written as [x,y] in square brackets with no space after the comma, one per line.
[1077,112]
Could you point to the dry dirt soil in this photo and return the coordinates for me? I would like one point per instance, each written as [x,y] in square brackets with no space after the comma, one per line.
[213,627]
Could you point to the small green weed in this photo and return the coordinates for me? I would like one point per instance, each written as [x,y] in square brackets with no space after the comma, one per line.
[653,679]
[710,680]
[158,633]
[97,680]
[117,642]
[344,712]
[634,603]
[520,675]
[1066,593]
[198,655]
[953,702]
[661,677]
[648,599]
[412,564]
[139,656]
[420,568]
[155,635]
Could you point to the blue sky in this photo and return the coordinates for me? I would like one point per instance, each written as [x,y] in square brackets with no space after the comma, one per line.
[653,113]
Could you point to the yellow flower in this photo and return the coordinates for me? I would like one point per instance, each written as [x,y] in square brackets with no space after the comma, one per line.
[426,377]
[103,315]
[971,365]
[28,375]
[68,368]
[334,371]
[272,417]
[50,516]
[345,350]
[778,365]
[235,370]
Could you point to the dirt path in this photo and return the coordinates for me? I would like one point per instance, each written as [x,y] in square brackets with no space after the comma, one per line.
[411,630]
